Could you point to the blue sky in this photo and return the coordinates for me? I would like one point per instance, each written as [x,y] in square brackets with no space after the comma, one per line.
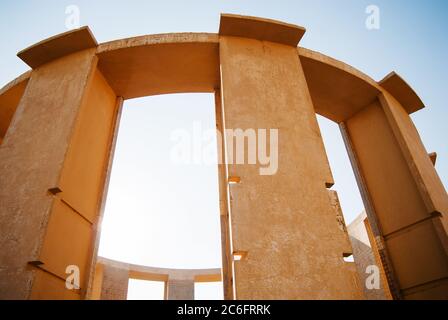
[411,41]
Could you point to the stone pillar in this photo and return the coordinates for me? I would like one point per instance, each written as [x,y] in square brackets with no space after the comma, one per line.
[284,223]
[53,166]
[31,158]
[405,199]
[180,289]
[114,284]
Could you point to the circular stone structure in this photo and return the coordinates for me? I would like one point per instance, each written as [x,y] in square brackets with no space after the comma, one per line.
[58,126]
[112,277]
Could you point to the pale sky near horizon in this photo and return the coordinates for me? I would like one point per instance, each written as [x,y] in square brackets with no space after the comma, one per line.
[411,40]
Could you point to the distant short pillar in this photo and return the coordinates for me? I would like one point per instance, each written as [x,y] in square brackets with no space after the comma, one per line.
[180,289]
[115,283]
[281,216]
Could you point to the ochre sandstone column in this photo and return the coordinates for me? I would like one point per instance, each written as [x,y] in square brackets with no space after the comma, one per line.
[53,166]
[70,234]
[32,156]
[10,96]
[408,200]
[285,223]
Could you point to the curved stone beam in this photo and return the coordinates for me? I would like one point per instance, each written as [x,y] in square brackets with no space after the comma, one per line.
[10,96]
[402,91]
[163,274]
[161,64]
[339,90]
[24,77]
[112,277]
[189,62]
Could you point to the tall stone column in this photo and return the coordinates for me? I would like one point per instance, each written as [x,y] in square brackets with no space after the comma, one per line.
[406,201]
[31,158]
[53,162]
[283,223]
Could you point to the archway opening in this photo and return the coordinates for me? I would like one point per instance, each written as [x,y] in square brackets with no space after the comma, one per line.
[162,207]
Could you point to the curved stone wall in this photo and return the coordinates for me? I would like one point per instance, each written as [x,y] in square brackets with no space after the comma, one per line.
[59,124]
[112,277]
